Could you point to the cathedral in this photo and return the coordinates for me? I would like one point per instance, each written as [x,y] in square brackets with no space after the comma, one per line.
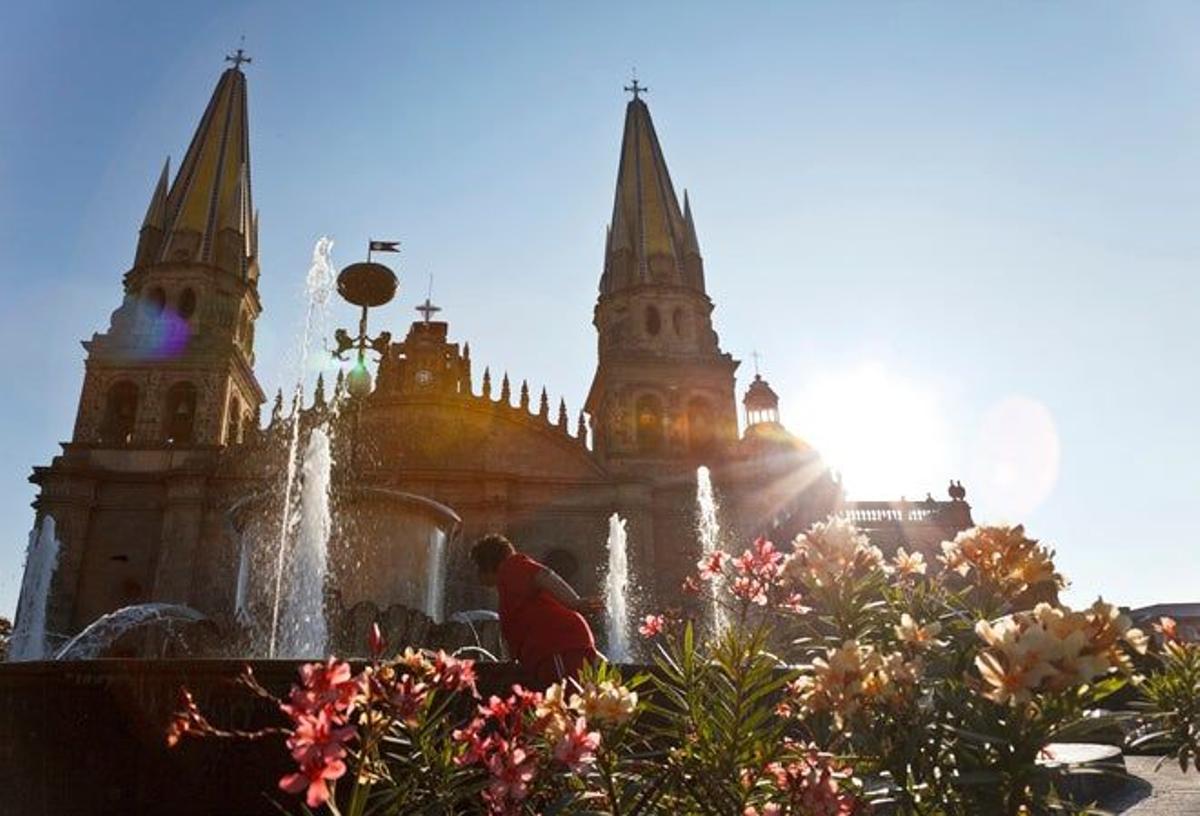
[173,472]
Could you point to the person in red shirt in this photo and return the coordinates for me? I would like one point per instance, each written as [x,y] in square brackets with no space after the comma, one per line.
[539,612]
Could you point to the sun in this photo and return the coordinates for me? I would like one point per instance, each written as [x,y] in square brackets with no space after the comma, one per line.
[885,433]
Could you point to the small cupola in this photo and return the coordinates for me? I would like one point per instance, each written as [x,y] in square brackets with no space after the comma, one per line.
[761,402]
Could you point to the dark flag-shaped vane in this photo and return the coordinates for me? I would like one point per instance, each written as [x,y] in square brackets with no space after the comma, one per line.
[384,246]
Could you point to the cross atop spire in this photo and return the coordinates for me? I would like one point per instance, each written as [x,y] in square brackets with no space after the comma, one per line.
[428,309]
[757,358]
[636,89]
[238,58]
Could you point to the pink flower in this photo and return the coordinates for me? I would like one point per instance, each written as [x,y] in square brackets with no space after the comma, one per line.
[317,746]
[476,745]
[577,747]
[770,809]
[452,674]
[762,561]
[750,589]
[496,708]
[1168,628]
[511,773]
[811,782]
[795,603]
[318,735]
[406,696]
[651,626]
[324,685]
[313,777]
[712,565]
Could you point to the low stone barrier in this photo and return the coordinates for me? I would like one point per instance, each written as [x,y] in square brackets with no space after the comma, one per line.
[88,737]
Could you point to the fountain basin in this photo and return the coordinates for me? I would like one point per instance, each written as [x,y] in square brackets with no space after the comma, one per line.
[1094,770]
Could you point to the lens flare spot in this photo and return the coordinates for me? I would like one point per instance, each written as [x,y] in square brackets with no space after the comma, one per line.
[164,335]
[1016,458]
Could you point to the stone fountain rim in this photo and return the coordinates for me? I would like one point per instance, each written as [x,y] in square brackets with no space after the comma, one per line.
[436,508]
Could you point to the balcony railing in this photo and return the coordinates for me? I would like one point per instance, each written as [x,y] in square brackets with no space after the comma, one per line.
[875,512]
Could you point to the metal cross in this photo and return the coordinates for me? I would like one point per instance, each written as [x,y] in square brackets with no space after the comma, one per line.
[636,89]
[428,309]
[238,58]
[756,357]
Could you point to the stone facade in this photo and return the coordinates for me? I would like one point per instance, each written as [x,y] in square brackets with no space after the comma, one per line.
[168,463]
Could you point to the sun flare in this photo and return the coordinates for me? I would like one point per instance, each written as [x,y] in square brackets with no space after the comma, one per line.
[884,432]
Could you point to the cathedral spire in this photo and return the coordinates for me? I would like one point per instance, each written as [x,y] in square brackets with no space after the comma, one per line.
[691,244]
[209,213]
[151,235]
[649,235]
[156,213]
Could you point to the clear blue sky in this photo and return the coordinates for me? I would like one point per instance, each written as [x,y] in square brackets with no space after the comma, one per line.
[971,228]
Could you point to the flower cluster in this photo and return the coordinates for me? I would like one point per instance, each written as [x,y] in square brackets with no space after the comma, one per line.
[652,626]
[758,573]
[517,738]
[852,677]
[918,636]
[832,552]
[1050,649]
[320,709]
[605,702]
[756,577]
[1001,559]
[908,565]
[808,782]
[500,739]
[403,687]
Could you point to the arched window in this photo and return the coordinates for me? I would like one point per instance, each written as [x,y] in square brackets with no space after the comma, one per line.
[649,423]
[700,425]
[180,416]
[187,303]
[233,432]
[120,413]
[653,321]
[678,322]
[156,301]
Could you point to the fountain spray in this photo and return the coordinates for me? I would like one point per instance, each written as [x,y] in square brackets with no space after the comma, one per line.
[28,641]
[709,531]
[616,591]
[318,285]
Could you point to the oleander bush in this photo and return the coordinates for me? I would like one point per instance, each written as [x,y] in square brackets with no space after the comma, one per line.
[821,680]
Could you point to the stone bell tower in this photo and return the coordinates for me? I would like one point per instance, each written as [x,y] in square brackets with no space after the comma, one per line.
[167,388]
[175,366]
[663,392]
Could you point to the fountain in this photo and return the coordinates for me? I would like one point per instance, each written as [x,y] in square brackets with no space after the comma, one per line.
[616,591]
[106,630]
[318,285]
[435,578]
[709,531]
[302,629]
[28,641]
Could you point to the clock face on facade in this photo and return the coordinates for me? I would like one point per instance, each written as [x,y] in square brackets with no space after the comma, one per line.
[424,377]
